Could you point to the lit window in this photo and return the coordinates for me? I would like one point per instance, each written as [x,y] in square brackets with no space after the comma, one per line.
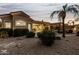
[7,25]
[20,23]
[0,22]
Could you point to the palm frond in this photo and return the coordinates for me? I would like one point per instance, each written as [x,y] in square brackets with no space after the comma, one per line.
[53,13]
[73,10]
[64,7]
[75,6]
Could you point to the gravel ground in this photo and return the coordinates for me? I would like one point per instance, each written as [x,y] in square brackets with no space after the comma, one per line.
[32,46]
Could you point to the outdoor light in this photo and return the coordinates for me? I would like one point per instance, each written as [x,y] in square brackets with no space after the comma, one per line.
[18,23]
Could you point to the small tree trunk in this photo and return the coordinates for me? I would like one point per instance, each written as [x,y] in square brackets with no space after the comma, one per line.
[63,29]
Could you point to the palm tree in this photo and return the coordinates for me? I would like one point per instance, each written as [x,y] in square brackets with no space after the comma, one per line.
[62,14]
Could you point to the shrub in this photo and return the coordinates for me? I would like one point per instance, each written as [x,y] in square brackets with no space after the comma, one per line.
[47,37]
[60,31]
[69,31]
[39,34]
[20,32]
[8,31]
[30,34]
[3,34]
[58,38]
[77,34]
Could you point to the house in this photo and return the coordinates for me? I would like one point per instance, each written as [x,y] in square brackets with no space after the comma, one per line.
[21,20]
[16,20]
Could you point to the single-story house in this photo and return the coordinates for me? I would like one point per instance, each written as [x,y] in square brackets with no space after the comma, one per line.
[15,20]
[19,19]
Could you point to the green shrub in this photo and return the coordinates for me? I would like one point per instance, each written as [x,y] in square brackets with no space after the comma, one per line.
[77,34]
[30,34]
[47,37]
[7,30]
[3,34]
[69,31]
[39,34]
[20,32]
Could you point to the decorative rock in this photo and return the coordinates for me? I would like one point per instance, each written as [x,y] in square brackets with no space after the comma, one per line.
[58,38]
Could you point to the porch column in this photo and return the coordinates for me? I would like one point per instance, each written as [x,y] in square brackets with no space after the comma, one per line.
[29,26]
[2,23]
[13,23]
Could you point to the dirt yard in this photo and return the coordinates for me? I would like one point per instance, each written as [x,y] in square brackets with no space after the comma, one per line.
[32,46]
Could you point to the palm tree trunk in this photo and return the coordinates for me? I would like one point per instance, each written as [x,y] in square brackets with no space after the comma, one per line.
[63,29]
[59,28]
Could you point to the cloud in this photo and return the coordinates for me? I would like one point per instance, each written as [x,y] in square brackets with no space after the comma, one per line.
[37,11]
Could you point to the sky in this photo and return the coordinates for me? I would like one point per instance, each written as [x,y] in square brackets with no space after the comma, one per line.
[37,11]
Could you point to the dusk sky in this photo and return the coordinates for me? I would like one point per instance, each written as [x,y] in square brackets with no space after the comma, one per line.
[37,11]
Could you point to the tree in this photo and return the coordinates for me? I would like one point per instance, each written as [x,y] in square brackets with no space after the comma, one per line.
[62,13]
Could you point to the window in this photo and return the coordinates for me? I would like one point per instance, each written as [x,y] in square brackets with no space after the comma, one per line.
[20,23]
[38,27]
[7,25]
[0,22]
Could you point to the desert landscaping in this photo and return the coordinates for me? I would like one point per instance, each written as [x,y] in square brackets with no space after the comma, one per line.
[22,32]
[33,46]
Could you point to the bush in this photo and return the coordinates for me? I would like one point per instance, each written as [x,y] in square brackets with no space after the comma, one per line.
[8,31]
[39,34]
[58,38]
[20,32]
[3,34]
[77,34]
[30,34]
[69,31]
[47,37]
[60,31]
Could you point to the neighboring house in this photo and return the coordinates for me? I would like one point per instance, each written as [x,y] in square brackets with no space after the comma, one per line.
[76,25]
